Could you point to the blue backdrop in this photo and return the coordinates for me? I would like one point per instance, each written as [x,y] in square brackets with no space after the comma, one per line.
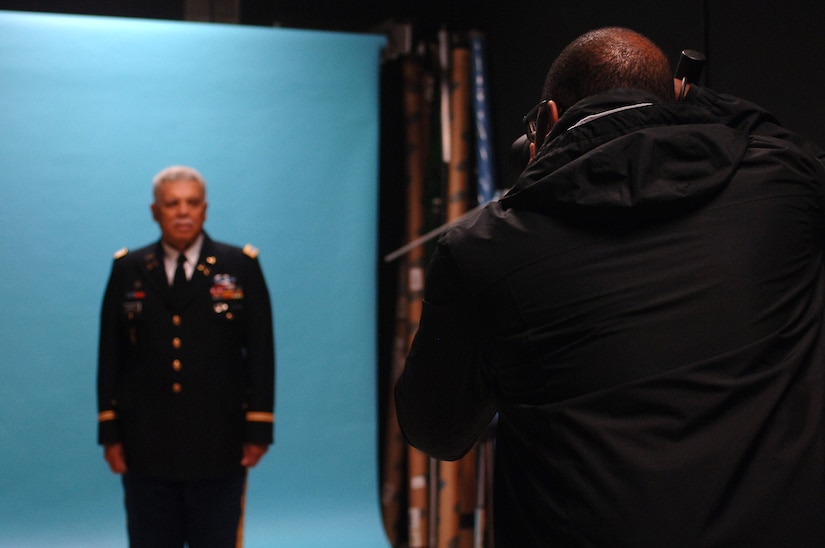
[283,124]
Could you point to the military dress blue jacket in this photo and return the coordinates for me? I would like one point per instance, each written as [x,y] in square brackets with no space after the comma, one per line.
[184,382]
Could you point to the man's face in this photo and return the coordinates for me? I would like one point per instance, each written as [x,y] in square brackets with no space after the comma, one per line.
[180,210]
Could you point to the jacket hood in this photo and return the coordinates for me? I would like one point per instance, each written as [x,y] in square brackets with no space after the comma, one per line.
[624,155]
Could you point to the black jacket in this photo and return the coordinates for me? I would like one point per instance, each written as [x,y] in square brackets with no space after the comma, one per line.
[184,385]
[644,311]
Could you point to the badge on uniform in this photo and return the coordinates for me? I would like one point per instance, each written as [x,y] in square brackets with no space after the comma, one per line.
[225,288]
[132,308]
[133,303]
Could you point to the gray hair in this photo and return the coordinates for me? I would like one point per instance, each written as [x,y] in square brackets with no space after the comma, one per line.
[176,173]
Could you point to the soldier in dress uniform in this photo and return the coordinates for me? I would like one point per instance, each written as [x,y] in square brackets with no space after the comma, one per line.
[185,375]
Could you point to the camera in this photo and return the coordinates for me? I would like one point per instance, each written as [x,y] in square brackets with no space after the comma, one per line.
[519,157]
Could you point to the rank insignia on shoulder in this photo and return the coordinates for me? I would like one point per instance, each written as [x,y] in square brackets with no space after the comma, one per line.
[250,251]
[120,253]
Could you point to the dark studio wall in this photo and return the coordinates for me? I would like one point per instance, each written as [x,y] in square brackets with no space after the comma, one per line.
[771,53]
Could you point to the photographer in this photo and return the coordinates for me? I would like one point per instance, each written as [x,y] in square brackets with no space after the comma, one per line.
[644,312]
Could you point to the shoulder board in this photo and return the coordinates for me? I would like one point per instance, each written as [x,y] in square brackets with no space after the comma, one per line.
[120,253]
[250,251]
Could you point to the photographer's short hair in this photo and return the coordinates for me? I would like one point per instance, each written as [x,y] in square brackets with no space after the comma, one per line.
[605,59]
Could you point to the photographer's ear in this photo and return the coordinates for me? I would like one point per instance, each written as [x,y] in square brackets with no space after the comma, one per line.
[545,121]
[553,112]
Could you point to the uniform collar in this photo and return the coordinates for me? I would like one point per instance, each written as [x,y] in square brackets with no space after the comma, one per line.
[192,253]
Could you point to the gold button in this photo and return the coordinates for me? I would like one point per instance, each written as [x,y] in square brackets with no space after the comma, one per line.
[176,365]
[176,320]
[176,342]
[176,388]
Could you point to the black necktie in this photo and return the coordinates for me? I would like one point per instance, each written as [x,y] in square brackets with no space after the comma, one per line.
[180,275]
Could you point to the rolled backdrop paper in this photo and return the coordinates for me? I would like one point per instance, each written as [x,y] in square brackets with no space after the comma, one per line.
[283,124]
[417,112]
